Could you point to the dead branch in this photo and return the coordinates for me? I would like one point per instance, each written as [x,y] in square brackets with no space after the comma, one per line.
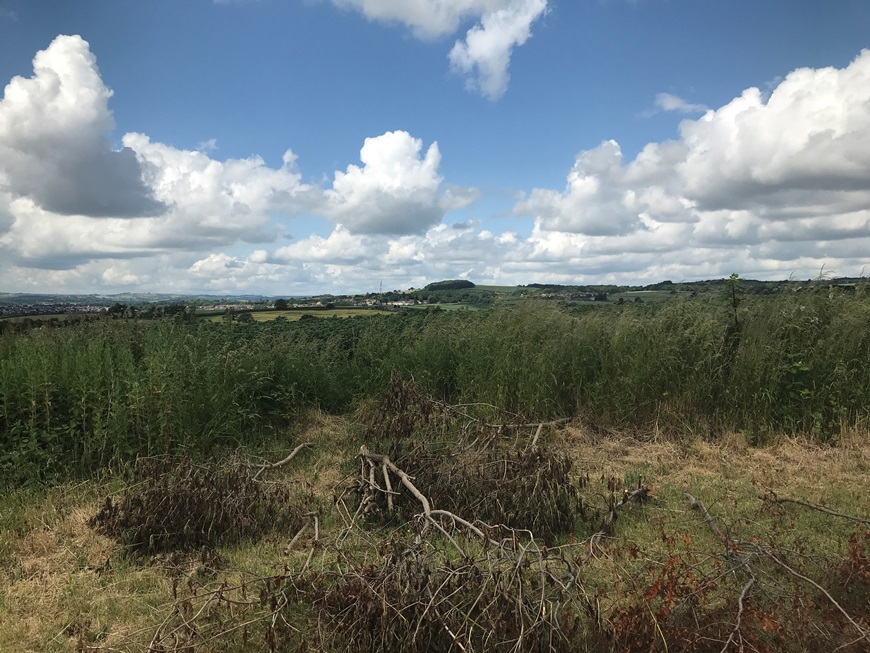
[740,607]
[534,442]
[641,493]
[555,422]
[700,507]
[730,548]
[389,488]
[773,498]
[428,513]
[263,467]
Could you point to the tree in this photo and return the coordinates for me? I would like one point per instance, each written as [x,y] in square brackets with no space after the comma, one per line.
[281,305]
[731,283]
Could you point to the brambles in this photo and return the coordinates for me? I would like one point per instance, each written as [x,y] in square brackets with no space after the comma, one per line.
[511,482]
[173,503]
[512,599]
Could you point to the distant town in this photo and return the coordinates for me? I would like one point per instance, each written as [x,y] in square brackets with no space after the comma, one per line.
[448,294]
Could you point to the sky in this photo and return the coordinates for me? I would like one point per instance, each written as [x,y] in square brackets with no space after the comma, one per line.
[292,147]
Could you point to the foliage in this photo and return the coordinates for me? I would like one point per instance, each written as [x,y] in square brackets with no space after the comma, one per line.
[89,395]
[452,284]
[174,504]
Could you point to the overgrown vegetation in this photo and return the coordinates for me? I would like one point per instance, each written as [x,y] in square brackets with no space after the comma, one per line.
[83,398]
[494,535]
[174,504]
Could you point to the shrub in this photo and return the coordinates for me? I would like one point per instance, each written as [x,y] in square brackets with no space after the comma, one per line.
[173,503]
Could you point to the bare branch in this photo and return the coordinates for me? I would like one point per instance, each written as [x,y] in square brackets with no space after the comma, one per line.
[864,634]
[740,606]
[773,498]
[284,461]
[699,506]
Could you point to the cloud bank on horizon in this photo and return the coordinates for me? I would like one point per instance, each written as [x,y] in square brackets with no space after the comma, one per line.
[767,184]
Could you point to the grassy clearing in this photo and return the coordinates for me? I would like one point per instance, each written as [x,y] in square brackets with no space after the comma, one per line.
[65,588]
[720,401]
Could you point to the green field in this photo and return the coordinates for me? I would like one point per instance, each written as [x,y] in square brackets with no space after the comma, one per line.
[608,478]
[298,313]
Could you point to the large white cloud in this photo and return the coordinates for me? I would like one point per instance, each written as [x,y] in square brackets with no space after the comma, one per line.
[395,191]
[487,48]
[484,55]
[67,198]
[54,144]
[790,168]
[763,186]
[597,200]
[220,201]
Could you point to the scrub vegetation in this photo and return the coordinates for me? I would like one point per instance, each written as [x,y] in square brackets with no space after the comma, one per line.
[684,475]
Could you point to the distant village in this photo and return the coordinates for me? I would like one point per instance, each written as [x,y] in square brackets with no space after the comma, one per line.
[449,292]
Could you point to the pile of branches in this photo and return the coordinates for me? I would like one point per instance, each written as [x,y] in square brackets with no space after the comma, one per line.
[172,503]
[534,490]
[513,597]
[497,479]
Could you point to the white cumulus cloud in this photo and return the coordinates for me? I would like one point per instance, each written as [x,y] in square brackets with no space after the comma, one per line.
[786,178]
[484,55]
[54,139]
[396,190]
[597,200]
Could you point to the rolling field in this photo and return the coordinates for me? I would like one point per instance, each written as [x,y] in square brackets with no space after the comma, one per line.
[296,314]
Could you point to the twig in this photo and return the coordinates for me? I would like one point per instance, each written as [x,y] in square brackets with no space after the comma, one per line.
[295,538]
[314,543]
[555,422]
[729,552]
[864,634]
[780,500]
[389,488]
[700,507]
[261,468]
[736,632]
[534,442]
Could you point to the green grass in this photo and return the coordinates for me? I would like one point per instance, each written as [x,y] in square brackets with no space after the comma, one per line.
[93,395]
[292,315]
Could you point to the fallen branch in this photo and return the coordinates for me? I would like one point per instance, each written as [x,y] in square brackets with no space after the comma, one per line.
[555,422]
[428,513]
[263,467]
[730,548]
[773,498]
[534,442]
[700,507]
[641,493]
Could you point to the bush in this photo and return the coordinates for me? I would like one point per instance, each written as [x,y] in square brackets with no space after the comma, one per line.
[174,504]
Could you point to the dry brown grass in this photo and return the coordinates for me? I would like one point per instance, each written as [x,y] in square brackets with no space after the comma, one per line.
[65,587]
[65,584]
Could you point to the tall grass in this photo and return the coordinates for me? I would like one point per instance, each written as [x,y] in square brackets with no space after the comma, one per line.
[77,399]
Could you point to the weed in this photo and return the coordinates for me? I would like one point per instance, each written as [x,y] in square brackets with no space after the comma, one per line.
[172,503]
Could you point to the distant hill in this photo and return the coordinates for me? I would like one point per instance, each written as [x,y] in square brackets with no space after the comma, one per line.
[450,284]
[16,299]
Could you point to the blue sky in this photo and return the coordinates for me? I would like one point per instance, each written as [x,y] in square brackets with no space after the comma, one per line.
[301,146]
